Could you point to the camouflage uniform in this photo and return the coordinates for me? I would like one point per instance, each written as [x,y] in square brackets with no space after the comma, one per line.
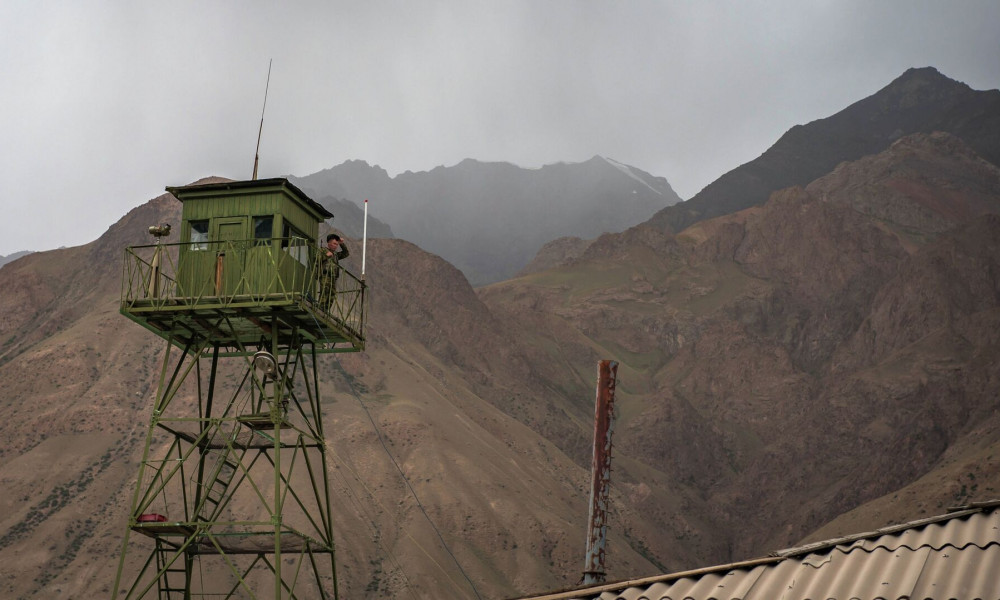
[330,272]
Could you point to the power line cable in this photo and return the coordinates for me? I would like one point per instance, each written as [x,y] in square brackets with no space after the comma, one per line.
[356,500]
[371,521]
[375,527]
[385,447]
[413,492]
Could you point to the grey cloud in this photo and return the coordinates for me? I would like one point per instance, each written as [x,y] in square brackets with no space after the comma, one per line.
[105,103]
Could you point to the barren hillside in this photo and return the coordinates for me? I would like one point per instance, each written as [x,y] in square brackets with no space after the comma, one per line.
[832,352]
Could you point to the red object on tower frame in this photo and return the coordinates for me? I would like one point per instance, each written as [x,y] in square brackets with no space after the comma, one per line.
[151,518]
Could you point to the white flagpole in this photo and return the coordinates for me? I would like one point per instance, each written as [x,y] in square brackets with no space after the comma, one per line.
[364,244]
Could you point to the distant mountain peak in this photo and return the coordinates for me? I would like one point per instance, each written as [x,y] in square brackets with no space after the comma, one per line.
[925,75]
[362,165]
[498,214]
[920,86]
[12,257]
[921,100]
[355,165]
[923,72]
[629,171]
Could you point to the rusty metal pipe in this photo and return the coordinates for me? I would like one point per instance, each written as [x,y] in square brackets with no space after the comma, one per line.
[604,424]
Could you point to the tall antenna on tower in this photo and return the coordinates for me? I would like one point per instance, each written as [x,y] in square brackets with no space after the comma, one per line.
[256,156]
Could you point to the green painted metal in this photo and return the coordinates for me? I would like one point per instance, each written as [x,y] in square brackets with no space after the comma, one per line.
[229,272]
[249,199]
[241,482]
[236,290]
[236,475]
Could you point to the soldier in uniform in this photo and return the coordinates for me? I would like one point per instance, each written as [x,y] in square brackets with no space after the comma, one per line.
[336,250]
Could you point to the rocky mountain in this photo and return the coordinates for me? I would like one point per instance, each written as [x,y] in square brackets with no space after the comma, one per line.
[558,251]
[490,219]
[349,219]
[12,257]
[795,361]
[780,367]
[462,411]
[918,101]
[823,363]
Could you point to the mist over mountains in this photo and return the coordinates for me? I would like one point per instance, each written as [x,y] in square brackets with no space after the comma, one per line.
[489,219]
[820,362]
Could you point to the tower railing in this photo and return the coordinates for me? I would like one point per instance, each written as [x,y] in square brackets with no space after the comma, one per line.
[231,275]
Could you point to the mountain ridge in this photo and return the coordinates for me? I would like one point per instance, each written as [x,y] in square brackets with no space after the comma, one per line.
[13,256]
[490,218]
[921,100]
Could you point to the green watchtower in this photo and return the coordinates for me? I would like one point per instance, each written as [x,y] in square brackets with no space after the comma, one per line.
[247,255]
[232,496]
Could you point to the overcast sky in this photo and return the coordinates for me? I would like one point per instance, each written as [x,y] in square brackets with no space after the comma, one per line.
[105,103]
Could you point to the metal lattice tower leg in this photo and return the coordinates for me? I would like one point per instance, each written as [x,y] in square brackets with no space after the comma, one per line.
[232,493]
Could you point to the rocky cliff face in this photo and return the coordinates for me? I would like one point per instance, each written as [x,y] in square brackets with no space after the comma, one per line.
[924,184]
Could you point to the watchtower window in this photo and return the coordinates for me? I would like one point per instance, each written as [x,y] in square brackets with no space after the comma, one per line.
[199,235]
[263,228]
[294,242]
[293,236]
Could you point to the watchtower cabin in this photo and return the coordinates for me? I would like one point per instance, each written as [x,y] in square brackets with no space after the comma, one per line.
[232,495]
[247,262]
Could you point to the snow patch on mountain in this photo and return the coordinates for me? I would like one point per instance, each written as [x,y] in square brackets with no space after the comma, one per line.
[628,171]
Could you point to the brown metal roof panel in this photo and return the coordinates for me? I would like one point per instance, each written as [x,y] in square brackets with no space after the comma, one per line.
[969,573]
[778,580]
[944,557]
[882,574]
[731,585]
[635,593]
[885,531]
[722,585]
[657,590]
[890,575]
[979,529]
[818,577]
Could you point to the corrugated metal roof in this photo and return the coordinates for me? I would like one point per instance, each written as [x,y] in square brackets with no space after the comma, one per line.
[952,556]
